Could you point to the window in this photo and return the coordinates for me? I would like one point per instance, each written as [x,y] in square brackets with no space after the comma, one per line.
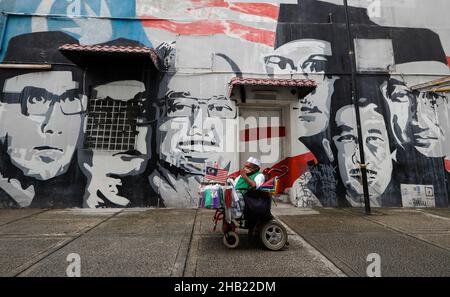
[111,125]
[112,119]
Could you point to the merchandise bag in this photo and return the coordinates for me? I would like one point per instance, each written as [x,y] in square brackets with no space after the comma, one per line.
[215,193]
[237,204]
[201,200]
[211,196]
[228,196]
[208,198]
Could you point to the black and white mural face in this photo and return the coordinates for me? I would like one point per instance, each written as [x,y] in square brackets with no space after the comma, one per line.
[306,58]
[377,153]
[120,138]
[193,132]
[41,102]
[413,117]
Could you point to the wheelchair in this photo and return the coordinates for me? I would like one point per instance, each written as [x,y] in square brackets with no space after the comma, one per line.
[256,217]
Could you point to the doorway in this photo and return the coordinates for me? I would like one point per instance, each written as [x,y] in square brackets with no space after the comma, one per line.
[261,134]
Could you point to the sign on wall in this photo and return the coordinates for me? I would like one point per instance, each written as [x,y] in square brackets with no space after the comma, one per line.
[418,195]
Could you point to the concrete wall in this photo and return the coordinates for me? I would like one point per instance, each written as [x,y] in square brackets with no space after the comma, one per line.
[44,161]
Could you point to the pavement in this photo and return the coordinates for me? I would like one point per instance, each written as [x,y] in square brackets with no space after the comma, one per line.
[142,242]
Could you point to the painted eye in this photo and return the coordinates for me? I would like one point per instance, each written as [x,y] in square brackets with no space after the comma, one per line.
[221,110]
[347,138]
[402,98]
[36,100]
[179,107]
[70,99]
[316,66]
[273,59]
[374,140]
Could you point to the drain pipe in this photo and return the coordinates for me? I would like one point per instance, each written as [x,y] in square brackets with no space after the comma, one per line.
[363,165]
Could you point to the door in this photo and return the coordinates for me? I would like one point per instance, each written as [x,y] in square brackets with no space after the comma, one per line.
[261,135]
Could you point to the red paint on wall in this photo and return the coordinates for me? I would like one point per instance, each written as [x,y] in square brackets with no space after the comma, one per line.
[262,133]
[297,166]
[210,27]
[258,9]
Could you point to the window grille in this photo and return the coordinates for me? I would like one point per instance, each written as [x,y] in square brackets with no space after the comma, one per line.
[111,125]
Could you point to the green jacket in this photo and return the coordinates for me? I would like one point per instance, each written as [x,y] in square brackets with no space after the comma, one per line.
[242,185]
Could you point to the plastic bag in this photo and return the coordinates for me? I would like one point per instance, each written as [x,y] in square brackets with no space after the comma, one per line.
[238,204]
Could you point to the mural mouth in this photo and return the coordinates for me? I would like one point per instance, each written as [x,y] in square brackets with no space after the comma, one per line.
[419,137]
[356,173]
[307,118]
[47,148]
[424,141]
[308,110]
[308,114]
[188,143]
[48,154]
[133,153]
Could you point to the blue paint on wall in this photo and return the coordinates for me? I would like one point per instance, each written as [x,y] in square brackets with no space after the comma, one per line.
[78,27]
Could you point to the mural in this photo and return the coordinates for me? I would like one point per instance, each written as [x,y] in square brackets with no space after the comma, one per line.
[119,146]
[192,132]
[377,153]
[41,121]
[122,135]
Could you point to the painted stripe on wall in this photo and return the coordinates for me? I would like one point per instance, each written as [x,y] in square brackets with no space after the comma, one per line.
[207,27]
[254,134]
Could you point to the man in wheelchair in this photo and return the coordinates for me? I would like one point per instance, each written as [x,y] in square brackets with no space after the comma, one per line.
[257,203]
[250,176]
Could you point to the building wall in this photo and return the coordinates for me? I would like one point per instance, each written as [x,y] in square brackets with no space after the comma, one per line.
[45,160]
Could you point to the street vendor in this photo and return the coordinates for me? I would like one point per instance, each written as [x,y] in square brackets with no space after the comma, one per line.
[250,176]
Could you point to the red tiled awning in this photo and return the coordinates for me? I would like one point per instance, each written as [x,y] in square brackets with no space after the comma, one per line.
[86,54]
[238,81]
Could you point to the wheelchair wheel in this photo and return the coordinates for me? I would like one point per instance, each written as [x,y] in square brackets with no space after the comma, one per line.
[231,239]
[273,235]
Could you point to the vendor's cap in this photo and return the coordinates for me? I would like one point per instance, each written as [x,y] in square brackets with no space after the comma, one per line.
[254,161]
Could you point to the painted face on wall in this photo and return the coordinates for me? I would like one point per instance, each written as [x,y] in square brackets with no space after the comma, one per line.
[119,134]
[414,118]
[128,149]
[42,119]
[377,153]
[307,58]
[193,129]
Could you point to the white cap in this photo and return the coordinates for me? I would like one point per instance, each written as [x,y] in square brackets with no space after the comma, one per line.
[254,161]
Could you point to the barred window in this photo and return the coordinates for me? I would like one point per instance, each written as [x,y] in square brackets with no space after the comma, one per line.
[111,125]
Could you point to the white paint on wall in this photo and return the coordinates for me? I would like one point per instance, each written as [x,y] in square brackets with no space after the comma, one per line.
[374,54]
[56,82]
[124,90]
